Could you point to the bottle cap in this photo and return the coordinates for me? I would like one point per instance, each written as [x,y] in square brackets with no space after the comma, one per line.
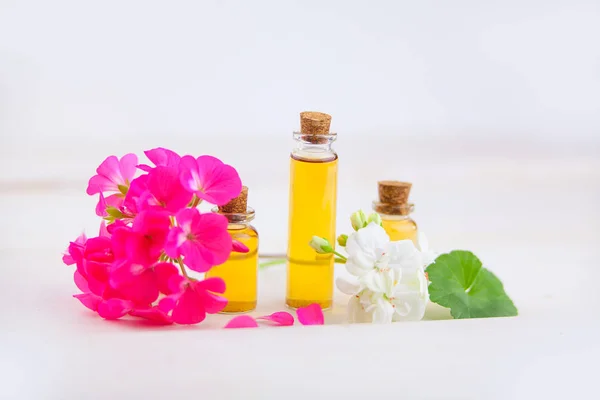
[314,123]
[393,198]
[237,205]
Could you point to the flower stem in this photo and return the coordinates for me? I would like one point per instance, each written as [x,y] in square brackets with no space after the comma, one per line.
[183,271]
[340,260]
[272,262]
[340,256]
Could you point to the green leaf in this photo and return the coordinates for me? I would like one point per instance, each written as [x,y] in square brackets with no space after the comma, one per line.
[459,282]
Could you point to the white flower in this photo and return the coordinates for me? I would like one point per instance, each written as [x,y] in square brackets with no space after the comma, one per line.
[429,255]
[390,280]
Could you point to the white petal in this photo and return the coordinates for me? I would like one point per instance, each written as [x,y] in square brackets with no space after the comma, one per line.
[346,286]
[423,242]
[356,313]
[404,255]
[383,313]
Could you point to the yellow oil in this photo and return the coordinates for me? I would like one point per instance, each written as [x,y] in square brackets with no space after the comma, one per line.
[313,190]
[400,228]
[240,271]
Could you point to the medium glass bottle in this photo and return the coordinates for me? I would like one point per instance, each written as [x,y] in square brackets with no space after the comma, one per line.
[394,209]
[240,271]
[312,211]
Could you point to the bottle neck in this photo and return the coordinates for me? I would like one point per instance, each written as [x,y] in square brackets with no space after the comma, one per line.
[237,221]
[393,211]
[314,147]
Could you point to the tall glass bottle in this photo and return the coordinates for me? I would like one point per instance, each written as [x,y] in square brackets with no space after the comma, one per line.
[240,271]
[394,209]
[312,211]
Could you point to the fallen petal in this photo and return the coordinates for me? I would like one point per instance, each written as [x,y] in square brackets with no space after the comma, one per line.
[311,315]
[243,321]
[280,318]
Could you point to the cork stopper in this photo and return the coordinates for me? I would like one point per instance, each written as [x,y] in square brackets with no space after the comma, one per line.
[314,123]
[393,198]
[238,205]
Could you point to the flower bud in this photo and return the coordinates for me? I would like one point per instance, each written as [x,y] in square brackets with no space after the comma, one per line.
[321,245]
[114,212]
[358,220]
[342,239]
[374,217]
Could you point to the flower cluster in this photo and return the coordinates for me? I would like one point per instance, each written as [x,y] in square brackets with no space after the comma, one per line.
[137,264]
[388,278]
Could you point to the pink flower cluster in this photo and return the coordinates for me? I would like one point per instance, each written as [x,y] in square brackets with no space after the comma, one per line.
[137,264]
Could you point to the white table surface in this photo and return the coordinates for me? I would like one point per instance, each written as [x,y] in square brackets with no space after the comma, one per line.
[531,211]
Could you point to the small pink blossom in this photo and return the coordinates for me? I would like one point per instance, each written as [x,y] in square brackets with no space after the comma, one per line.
[113,174]
[196,299]
[164,190]
[210,179]
[160,157]
[144,241]
[202,239]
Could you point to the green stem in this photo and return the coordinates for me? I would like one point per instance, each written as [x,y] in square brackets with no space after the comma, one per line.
[272,262]
[340,260]
[183,271]
[342,257]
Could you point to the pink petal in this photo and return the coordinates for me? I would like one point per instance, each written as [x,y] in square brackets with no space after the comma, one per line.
[164,184]
[177,284]
[98,249]
[164,271]
[212,243]
[136,190]
[89,300]
[124,271]
[114,200]
[189,308]
[214,284]
[163,157]
[280,318]
[311,315]
[175,239]
[218,182]
[80,282]
[188,174]
[152,314]
[166,304]
[114,308]
[99,184]
[103,230]
[239,247]
[142,290]
[242,321]
[213,303]
[127,167]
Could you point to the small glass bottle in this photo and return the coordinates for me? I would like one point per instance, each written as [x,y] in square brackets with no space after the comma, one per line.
[312,211]
[240,271]
[395,210]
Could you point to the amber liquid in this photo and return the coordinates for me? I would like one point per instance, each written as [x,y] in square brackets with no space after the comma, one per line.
[313,191]
[240,272]
[400,228]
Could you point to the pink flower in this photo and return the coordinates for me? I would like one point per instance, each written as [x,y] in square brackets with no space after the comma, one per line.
[160,157]
[144,241]
[113,175]
[164,190]
[210,179]
[138,187]
[74,252]
[195,300]
[202,239]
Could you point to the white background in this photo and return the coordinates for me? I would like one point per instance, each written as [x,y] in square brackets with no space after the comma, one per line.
[491,109]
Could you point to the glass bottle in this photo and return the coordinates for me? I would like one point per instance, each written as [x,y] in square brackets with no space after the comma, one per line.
[394,209]
[312,211]
[240,271]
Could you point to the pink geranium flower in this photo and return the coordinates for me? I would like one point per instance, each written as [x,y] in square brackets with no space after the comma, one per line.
[113,176]
[195,300]
[160,157]
[202,239]
[210,179]
[164,190]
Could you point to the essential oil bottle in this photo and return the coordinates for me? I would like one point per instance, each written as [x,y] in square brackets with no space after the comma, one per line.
[240,271]
[395,210]
[312,211]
